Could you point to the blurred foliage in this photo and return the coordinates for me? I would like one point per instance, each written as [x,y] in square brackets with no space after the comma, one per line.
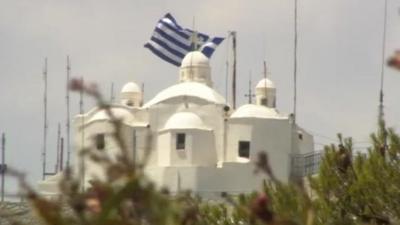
[351,188]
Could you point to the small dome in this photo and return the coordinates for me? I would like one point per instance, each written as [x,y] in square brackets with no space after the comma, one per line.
[130,87]
[195,58]
[256,111]
[184,120]
[265,83]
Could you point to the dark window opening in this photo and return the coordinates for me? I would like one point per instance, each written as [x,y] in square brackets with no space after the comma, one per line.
[264,101]
[300,135]
[100,142]
[244,149]
[180,141]
[129,103]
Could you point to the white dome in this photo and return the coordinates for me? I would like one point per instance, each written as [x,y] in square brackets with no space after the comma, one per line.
[195,58]
[190,89]
[130,87]
[265,82]
[184,120]
[256,111]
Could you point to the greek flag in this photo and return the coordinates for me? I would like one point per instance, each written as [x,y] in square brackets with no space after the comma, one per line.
[171,42]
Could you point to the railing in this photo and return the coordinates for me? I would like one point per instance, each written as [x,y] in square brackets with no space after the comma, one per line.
[305,164]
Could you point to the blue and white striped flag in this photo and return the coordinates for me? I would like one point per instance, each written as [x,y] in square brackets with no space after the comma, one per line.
[171,42]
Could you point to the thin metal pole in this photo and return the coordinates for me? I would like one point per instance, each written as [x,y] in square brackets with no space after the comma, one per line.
[227,68]
[58,147]
[295,65]
[381,95]
[61,154]
[81,111]
[141,102]
[3,164]
[265,83]
[233,33]
[45,125]
[112,98]
[68,113]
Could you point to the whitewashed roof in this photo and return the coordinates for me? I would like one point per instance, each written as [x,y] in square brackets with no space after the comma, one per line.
[195,58]
[257,111]
[190,89]
[130,87]
[184,120]
[265,82]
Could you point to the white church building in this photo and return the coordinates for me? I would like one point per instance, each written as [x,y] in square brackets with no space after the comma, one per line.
[196,141]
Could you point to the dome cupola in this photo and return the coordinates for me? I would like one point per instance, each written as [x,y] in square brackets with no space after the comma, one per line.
[131,95]
[266,93]
[195,67]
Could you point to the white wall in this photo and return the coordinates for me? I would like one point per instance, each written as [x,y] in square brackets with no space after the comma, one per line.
[266,135]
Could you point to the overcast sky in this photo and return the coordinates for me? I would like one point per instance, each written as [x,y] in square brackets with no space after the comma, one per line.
[338,70]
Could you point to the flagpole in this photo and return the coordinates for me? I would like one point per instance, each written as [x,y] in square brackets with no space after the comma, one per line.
[68,114]
[3,164]
[227,69]
[45,126]
[295,65]
[381,95]
[233,33]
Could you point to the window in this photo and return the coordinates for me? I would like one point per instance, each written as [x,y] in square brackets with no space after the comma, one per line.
[100,142]
[264,101]
[129,103]
[180,141]
[244,149]
[300,134]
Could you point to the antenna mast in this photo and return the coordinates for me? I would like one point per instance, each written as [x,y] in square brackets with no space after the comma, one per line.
[112,97]
[227,68]
[3,165]
[381,106]
[265,79]
[45,125]
[82,163]
[233,33]
[81,99]
[58,147]
[68,112]
[295,65]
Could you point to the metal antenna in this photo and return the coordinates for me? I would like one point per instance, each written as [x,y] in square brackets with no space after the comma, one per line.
[265,70]
[227,68]
[81,111]
[381,106]
[233,33]
[68,113]
[45,125]
[141,103]
[112,97]
[61,154]
[58,147]
[295,64]
[81,99]
[265,79]
[3,164]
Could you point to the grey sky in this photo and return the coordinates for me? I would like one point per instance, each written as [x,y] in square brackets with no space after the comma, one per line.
[338,71]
